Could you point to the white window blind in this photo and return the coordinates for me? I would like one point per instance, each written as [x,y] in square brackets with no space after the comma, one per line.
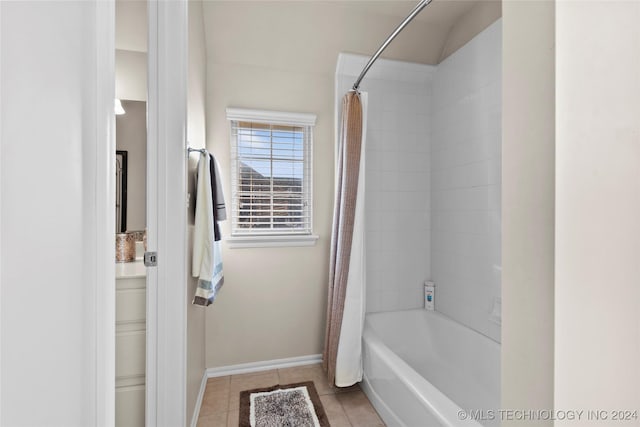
[271,173]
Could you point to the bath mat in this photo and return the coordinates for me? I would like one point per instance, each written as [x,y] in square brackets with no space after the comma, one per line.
[291,405]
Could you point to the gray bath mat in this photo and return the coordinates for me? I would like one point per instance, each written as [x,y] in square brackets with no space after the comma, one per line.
[291,405]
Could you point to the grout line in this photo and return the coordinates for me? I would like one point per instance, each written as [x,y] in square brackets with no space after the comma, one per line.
[228,396]
[344,411]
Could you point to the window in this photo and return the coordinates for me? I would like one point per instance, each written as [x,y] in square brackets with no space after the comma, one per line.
[271,178]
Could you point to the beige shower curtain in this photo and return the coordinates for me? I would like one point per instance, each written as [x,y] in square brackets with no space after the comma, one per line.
[345,221]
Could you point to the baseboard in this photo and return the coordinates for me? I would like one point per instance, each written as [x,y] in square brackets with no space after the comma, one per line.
[265,365]
[196,410]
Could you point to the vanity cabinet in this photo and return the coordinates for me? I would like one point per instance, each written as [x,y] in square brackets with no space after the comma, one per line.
[130,344]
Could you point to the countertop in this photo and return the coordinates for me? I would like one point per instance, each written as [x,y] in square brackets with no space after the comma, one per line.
[127,270]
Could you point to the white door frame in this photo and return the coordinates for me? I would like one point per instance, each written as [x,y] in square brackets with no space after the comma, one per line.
[166,213]
[103,171]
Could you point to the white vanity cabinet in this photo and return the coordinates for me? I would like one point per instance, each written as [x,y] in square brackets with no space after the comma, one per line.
[130,344]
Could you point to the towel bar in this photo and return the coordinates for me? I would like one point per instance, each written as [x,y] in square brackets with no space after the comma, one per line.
[199,150]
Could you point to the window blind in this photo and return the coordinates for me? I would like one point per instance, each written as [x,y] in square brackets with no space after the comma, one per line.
[271,178]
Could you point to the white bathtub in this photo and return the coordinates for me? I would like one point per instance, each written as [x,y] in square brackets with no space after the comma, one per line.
[421,369]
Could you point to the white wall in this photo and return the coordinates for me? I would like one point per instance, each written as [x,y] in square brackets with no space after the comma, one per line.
[57,219]
[571,336]
[131,75]
[465,181]
[131,25]
[131,49]
[597,292]
[528,178]
[397,178]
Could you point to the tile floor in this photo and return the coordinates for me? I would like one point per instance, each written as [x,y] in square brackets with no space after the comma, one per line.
[344,407]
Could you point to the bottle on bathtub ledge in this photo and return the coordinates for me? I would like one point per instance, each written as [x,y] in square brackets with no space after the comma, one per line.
[429,295]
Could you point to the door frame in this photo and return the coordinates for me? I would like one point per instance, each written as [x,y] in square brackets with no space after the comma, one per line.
[166,213]
[101,172]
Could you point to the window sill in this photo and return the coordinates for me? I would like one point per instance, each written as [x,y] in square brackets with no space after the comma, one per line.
[276,241]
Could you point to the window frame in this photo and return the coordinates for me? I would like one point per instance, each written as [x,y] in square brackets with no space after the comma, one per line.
[271,238]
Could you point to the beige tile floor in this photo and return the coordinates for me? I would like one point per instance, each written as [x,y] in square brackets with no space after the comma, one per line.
[344,407]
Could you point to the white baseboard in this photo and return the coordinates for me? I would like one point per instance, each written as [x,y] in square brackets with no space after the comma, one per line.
[196,410]
[265,365]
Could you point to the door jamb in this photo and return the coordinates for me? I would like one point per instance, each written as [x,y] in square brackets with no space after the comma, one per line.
[166,213]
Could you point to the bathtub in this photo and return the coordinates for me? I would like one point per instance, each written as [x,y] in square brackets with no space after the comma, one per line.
[422,369]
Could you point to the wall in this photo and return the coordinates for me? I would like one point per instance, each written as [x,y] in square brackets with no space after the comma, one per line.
[196,136]
[131,75]
[57,218]
[131,25]
[273,302]
[131,49]
[528,144]
[465,182]
[597,292]
[397,178]
[131,135]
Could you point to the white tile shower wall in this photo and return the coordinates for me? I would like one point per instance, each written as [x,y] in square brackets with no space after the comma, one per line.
[466,181]
[397,178]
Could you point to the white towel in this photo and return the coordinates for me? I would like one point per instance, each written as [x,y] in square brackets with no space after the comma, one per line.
[207,253]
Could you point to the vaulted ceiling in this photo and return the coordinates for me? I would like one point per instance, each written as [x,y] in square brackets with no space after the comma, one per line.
[308,35]
[305,33]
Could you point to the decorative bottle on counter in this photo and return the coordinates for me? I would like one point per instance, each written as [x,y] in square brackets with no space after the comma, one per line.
[125,247]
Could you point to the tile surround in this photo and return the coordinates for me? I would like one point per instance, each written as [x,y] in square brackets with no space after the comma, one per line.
[466,182]
[433,180]
[397,178]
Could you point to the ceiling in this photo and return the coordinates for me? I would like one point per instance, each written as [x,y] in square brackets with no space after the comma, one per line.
[357,26]
[437,20]
[438,11]
[307,36]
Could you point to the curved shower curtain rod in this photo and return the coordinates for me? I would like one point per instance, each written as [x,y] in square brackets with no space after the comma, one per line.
[421,5]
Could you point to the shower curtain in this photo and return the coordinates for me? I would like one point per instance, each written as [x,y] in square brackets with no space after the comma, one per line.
[342,358]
